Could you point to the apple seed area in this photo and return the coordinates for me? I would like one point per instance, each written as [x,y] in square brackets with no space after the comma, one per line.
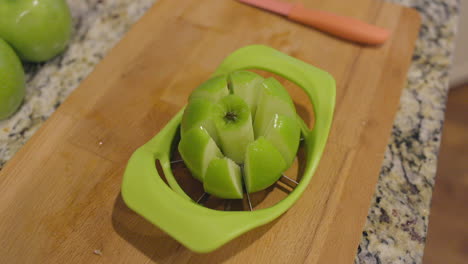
[230,117]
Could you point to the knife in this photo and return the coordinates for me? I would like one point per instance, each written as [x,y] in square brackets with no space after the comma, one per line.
[340,26]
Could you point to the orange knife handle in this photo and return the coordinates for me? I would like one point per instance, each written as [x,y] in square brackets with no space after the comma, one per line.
[340,26]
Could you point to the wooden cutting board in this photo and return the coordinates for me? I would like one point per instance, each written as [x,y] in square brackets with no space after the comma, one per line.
[60,195]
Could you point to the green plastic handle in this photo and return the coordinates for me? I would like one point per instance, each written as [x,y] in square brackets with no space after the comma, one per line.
[202,229]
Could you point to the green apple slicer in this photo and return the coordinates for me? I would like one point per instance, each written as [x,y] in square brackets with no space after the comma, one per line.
[203,229]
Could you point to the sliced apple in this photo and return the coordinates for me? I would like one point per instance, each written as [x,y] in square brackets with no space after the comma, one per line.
[263,165]
[213,89]
[223,179]
[284,133]
[247,85]
[234,126]
[274,99]
[198,149]
[219,128]
[199,112]
[272,87]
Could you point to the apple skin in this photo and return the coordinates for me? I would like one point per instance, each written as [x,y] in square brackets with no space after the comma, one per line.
[36,29]
[213,89]
[12,81]
[283,132]
[223,179]
[198,149]
[246,85]
[199,112]
[263,165]
[274,99]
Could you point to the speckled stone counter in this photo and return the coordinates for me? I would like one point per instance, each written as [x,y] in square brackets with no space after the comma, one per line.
[397,222]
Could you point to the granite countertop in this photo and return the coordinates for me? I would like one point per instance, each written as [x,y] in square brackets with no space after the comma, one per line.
[397,222]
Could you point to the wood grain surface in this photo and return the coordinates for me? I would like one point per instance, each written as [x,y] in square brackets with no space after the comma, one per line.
[60,194]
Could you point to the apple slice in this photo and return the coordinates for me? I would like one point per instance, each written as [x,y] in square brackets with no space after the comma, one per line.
[234,126]
[198,149]
[263,165]
[223,179]
[213,89]
[199,112]
[284,133]
[274,99]
[247,85]
[272,87]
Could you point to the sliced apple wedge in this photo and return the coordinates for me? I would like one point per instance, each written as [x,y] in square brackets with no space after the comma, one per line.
[223,179]
[272,87]
[213,89]
[198,149]
[247,85]
[199,113]
[284,133]
[274,99]
[234,126]
[263,165]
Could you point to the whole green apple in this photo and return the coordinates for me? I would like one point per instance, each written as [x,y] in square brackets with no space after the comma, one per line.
[12,81]
[239,127]
[36,29]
